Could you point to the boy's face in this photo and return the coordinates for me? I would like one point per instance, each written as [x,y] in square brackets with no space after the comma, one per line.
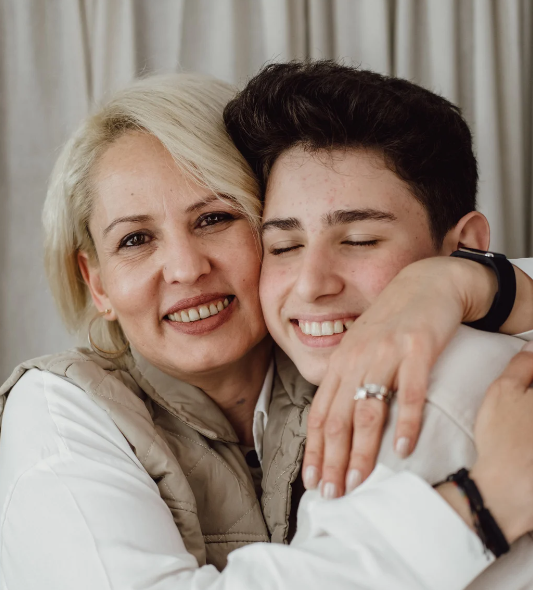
[337,227]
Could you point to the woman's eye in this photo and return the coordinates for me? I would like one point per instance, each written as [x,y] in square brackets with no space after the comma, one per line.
[133,240]
[214,218]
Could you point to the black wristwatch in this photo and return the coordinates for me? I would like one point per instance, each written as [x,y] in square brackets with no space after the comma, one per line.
[505,297]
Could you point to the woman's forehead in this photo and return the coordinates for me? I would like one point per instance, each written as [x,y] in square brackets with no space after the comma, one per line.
[137,175]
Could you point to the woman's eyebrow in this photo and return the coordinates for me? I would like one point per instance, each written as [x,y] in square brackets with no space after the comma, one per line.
[202,203]
[145,218]
[344,216]
[127,219]
[283,223]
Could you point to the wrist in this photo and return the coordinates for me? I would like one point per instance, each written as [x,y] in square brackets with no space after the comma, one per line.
[497,497]
[457,500]
[476,287]
[454,279]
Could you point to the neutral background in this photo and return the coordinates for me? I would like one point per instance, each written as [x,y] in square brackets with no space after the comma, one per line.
[58,56]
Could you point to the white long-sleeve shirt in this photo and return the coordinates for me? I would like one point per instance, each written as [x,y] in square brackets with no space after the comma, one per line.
[78,511]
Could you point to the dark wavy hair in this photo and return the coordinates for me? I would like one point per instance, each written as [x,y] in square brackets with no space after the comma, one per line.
[323,105]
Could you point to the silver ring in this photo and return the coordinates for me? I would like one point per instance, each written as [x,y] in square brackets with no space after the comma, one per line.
[374,391]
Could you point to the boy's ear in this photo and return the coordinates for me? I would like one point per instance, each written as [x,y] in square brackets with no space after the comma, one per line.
[472,231]
[92,277]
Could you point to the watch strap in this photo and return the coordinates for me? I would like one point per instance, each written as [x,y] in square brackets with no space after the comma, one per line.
[505,297]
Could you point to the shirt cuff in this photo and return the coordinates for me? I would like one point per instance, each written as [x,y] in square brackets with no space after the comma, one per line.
[415,522]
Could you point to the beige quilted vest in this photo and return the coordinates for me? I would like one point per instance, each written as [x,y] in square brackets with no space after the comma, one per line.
[191,451]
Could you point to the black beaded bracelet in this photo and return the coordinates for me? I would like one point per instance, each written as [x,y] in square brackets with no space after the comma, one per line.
[486,527]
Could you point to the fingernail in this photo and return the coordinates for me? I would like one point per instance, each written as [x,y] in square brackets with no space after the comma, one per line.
[353,480]
[311,478]
[329,491]
[402,447]
[528,346]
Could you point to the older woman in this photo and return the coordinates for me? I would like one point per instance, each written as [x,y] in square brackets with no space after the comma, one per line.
[132,464]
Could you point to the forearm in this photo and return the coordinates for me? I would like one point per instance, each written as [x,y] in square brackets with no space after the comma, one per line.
[474,286]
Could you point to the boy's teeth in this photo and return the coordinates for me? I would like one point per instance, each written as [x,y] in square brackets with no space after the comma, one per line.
[324,328]
[199,313]
[327,328]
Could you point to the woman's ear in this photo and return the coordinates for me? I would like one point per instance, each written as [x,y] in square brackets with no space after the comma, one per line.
[91,275]
[472,231]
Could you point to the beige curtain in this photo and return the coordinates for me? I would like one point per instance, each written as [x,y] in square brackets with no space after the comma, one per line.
[58,56]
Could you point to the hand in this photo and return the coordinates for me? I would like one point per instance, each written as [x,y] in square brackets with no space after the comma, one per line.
[504,440]
[393,343]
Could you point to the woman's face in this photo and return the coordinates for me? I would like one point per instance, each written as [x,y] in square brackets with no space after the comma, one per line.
[178,266]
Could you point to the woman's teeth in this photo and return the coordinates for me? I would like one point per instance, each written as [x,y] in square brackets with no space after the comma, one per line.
[324,328]
[199,313]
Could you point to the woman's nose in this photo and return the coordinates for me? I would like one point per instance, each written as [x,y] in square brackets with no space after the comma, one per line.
[185,263]
[317,277]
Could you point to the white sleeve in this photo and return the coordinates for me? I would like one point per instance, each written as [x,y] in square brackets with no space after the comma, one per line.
[77,510]
[525,265]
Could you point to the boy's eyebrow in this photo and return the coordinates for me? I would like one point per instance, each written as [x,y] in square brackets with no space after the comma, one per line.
[283,223]
[344,216]
[339,217]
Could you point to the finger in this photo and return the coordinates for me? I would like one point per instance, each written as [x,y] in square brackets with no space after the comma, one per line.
[520,368]
[314,446]
[338,435]
[369,421]
[413,379]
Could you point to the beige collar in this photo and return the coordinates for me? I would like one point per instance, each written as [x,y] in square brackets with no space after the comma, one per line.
[195,408]
[188,403]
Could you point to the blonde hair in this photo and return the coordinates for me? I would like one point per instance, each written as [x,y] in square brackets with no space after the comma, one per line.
[184,112]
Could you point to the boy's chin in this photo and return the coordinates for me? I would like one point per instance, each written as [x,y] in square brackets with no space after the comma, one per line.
[311,369]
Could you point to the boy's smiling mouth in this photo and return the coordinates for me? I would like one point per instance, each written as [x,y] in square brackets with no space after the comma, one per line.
[317,332]
[325,328]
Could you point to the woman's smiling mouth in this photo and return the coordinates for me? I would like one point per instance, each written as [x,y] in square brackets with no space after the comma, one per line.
[201,312]
[204,317]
